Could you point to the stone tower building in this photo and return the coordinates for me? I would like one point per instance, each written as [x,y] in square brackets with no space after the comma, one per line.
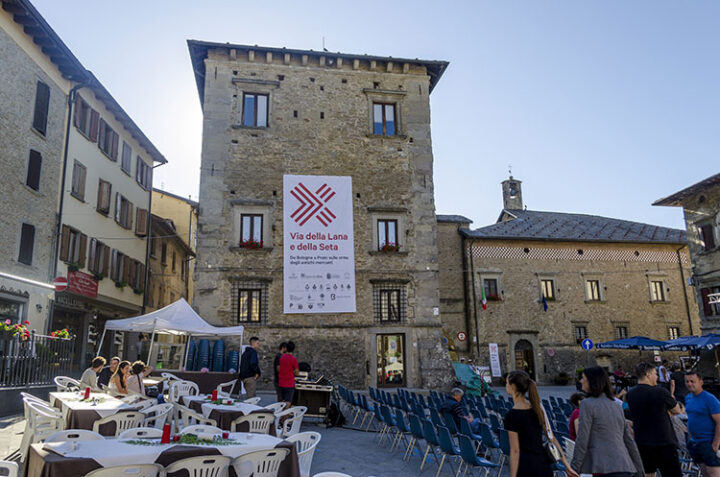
[272,112]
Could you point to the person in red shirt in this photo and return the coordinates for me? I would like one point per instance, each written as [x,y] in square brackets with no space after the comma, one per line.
[573,424]
[287,370]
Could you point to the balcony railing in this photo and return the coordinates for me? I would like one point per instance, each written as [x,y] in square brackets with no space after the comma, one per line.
[34,361]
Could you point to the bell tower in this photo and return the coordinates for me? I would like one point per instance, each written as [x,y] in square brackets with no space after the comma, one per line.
[512,194]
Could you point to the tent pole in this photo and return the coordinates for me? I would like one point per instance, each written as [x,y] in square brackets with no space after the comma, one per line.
[152,338]
[187,349]
[102,339]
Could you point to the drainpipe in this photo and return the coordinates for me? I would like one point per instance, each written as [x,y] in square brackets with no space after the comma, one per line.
[682,278]
[58,221]
[474,300]
[147,244]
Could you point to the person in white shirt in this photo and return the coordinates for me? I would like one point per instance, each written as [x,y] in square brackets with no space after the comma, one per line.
[89,376]
[135,380]
[664,375]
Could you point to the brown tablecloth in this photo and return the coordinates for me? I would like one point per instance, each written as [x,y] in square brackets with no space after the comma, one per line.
[224,417]
[43,463]
[205,381]
[85,418]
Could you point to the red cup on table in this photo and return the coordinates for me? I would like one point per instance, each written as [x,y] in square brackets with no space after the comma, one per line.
[87,393]
[214,395]
[165,439]
[225,435]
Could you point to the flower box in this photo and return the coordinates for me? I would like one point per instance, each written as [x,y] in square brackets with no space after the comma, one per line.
[390,248]
[251,244]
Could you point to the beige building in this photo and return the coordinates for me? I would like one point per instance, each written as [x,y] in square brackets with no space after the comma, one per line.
[182,212]
[701,205]
[550,280]
[84,189]
[170,258]
[275,111]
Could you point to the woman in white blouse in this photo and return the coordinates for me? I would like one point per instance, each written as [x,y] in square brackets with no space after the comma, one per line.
[118,381]
[135,380]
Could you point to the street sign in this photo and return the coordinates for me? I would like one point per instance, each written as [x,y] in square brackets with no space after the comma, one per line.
[461,336]
[587,344]
[60,283]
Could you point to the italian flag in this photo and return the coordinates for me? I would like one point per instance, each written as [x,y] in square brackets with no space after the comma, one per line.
[484,299]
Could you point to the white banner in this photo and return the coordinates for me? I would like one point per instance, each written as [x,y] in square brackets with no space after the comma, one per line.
[495,361]
[318,245]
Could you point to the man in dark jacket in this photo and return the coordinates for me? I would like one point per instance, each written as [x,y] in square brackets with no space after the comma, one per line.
[453,407]
[250,367]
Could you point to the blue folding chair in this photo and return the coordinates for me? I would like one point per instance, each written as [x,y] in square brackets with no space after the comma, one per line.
[402,427]
[435,417]
[416,434]
[380,425]
[431,439]
[504,441]
[495,422]
[471,459]
[488,440]
[389,421]
[448,448]
[449,422]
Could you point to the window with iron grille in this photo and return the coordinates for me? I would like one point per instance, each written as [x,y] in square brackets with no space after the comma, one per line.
[389,303]
[580,333]
[250,301]
[673,332]
[621,332]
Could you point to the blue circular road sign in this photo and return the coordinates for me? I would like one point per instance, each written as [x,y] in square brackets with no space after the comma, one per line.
[587,344]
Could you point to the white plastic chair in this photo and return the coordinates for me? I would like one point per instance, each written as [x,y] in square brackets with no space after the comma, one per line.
[74,435]
[225,389]
[263,463]
[202,466]
[10,468]
[291,425]
[258,422]
[66,383]
[253,400]
[144,404]
[201,428]
[331,474]
[138,470]
[157,415]
[306,443]
[43,421]
[32,397]
[140,433]
[182,388]
[122,420]
[188,417]
[275,407]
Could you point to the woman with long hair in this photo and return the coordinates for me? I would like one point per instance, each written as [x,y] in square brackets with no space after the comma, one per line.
[604,445]
[118,381]
[135,381]
[525,424]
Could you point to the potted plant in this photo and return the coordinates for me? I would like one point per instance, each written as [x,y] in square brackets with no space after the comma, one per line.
[9,330]
[73,266]
[251,244]
[121,284]
[138,291]
[98,276]
[61,334]
[390,247]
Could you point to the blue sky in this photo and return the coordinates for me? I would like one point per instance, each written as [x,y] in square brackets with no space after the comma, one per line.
[601,107]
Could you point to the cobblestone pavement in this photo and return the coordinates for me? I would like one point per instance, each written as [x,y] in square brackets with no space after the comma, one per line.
[346,450]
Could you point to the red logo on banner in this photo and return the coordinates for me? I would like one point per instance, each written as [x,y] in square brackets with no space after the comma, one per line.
[312,205]
[82,284]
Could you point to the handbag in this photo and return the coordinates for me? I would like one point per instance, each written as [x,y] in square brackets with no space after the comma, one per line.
[549,443]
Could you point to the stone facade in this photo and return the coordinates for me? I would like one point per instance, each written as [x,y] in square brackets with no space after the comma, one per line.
[320,123]
[623,275]
[24,201]
[701,206]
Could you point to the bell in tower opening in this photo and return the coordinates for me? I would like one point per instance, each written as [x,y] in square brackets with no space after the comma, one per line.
[512,194]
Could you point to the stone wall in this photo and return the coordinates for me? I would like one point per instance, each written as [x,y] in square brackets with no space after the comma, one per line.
[453,310]
[625,300]
[21,204]
[320,124]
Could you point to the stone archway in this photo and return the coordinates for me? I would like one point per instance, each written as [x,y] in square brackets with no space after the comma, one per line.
[525,357]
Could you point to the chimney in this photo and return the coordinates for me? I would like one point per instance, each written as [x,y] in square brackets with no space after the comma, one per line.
[512,194]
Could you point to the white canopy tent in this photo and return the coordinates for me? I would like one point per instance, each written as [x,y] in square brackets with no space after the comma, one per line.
[176,319]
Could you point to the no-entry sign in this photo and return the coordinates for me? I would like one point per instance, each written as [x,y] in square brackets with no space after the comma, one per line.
[60,283]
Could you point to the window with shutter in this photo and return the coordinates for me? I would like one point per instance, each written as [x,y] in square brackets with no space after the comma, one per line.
[78,181]
[126,163]
[94,124]
[92,254]
[82,252]
[85,119]
[118,207]
[27,244]
[33,171]
[42,105]
[104,195]
[707,235]
[65,243]
[141,222]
